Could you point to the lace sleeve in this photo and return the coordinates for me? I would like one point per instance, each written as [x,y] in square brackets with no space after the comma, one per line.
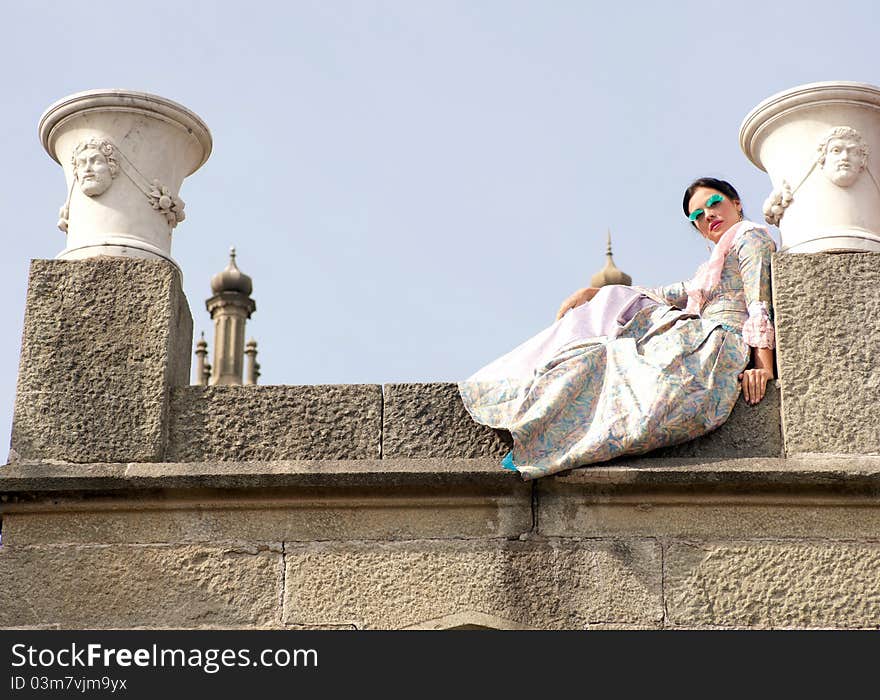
[754,249]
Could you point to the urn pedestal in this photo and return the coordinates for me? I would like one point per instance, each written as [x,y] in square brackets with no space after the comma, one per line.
[125,155]
[815,141]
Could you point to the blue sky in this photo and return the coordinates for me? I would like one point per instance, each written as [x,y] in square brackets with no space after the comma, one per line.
[414,186]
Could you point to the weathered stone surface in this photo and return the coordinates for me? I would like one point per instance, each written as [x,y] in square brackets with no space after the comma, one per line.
[817,474]
[552,585]
[828,335]
[274,517]
[28,480]
[429,420]
[565,513]
[469,621]
[246,423]
[139,586]
[104,339]
[750,431]
[773,584]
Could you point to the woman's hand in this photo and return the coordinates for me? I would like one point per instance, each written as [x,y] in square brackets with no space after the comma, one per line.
[581,296]
[754,384]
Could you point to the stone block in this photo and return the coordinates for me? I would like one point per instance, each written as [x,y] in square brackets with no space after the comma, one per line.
[750,431]
[566,513]
[773,585]
[104,340]
[140,586]
[429,420]
[279,516]
[247,423]
[828,336]
[539,583]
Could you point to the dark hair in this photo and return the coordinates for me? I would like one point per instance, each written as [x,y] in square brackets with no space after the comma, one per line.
[721,185]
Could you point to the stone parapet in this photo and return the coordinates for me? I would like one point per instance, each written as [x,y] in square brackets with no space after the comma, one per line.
[253,423]
[428,421]
[104,378]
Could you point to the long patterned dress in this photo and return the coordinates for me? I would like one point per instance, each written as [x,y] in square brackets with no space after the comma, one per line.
[659,377]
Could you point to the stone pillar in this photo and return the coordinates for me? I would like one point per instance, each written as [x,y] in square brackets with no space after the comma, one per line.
[104,341]
[828,351]
[815,141]
[125,155]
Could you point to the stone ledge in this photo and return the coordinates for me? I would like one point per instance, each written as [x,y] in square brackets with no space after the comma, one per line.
[44,477]
[833,473]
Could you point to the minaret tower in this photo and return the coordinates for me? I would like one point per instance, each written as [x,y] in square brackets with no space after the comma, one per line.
[230,308]
[610,274]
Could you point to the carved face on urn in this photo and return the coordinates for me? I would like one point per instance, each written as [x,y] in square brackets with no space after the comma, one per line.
[843,155]
[94,166]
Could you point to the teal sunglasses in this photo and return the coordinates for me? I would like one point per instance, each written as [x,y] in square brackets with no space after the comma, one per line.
[711,202]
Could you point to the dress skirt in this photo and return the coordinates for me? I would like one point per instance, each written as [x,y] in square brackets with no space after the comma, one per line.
[621,375]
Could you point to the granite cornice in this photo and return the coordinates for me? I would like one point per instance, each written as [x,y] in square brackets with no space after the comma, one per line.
[807,475]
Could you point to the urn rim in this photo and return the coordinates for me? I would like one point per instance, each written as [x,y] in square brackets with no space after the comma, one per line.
[119,99]
[799,97]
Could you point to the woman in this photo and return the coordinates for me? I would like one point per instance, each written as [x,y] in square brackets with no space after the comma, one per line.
[636,369]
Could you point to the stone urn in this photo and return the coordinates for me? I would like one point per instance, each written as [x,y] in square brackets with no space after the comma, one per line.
[125,155]
[816,142]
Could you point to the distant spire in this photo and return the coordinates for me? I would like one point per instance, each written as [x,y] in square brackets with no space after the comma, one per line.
[610,274]
[201,361]
[230,307]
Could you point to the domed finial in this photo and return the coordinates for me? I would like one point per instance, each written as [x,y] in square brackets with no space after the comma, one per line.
[232,279]
[610,274]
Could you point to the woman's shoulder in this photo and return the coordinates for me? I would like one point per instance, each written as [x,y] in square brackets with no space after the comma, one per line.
[753,236]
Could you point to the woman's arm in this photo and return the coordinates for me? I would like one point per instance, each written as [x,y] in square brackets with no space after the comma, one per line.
[754,250]
[581,296]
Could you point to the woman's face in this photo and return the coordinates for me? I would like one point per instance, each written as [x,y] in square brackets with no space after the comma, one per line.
[718,216]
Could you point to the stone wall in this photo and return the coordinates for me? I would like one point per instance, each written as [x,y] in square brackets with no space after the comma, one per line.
[133,500]
[376,544]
